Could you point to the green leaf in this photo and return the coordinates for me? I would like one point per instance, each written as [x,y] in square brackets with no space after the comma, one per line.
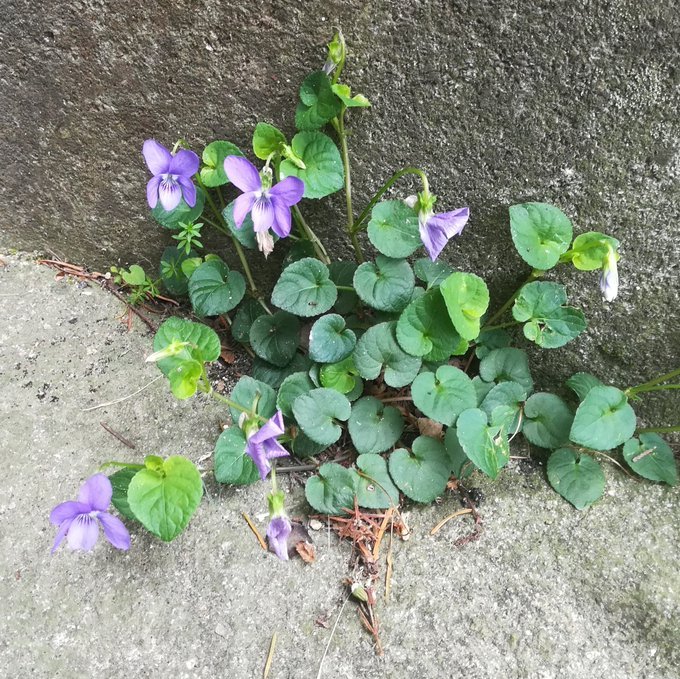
[344,93]
[423,473]
[274,375]
[377,348]
[582,383]
[248,391]
[589,250]
[431,273]
[267,139]
[393,229]
[305,288]
[318,103]
[213,174]
[297,251]
[190,265]
[185,376]
[332,490]
[652,458]
[323,173]
[604,419]
[243,319]
[507,365]
[486,446]
[120,481]
[579,480]
[467,299]
[302,446]
[547,421]
[135,276]
[329,340]
[293,386]
[232,463]
[491,339]
[482,388]
[425,329]
[182,213]
[374,427]
[461,466]
[444,395]
[171,272]
[549,323]
[540,232]
[165,499]
[204,344]
[341,376]
[386,285]
[275,338]
[342,273]
[506,394]
[246,233]
[375,489]
[214,289]
[317,411]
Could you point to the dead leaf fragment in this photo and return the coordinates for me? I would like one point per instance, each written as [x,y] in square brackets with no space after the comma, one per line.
[428,427]
[307,551]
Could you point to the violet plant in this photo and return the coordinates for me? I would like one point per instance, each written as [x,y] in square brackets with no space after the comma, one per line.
[362,353]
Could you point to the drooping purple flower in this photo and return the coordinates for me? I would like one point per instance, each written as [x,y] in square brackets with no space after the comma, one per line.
[79,521]
[269,205]
[171,175]
[262,444]
[277,535]
[437,229]
[609,280]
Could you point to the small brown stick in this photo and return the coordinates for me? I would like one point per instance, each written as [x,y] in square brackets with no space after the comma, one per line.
[381,532]
[270,656]
[618,464]
[123,398]
[115,293]
[395,399]
[252,526]
[448,518]
[643,454]
[299,468]
[330,638]
[120,437]
[390,564]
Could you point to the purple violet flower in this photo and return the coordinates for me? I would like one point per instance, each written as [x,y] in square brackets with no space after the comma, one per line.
[79,521]
[269,205]
[263,446]
[437,229]
[171,175]
[277,535]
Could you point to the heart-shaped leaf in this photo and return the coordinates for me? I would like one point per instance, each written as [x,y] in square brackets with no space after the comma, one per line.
[317,411]
[165,495]
[386,285]
[509,395]
[318,103]
[604,419]
[274,375]
[373,426]
[232,464]
[487,446]
[120,482]
[247,393]
[293,386]
[423,473]
[582,383]
[461,465]
[275,338]
[393,229]
[431,273]
[332,489]
[507,365]
[547,421]
[213,174]
[467,299]
[341,376]
[375,489]
[652,458]
[444,395]
[589,251]
[214,289]
[540,232]
[329,340]
[305,288]
[267,139]
[578,479]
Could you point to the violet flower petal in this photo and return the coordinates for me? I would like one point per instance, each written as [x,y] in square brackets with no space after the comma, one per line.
[61,534]
[242,206]
[67,511]
[184,163]
[115,531]
[277,533]
[157,157]
[188,190]
[96,492]
[263,214]
[434,240]
[170,194]
[274,449]
[288,191]
[83,533]
[152,191]
[281,225]
[259,457]
[451,223]
[270,429]
[242,173]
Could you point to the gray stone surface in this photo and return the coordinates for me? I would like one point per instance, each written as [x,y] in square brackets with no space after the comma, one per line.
[546,592]
[570,102]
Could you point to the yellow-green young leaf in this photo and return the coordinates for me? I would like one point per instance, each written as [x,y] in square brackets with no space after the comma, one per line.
[589,250]
[341,376]
[164,500]
[345,95]
[467,299]
[267,139]
[213,174]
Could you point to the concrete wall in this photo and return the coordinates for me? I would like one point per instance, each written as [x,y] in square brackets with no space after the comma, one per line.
[574,103]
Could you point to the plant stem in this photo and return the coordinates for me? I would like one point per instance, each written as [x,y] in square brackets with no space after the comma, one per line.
[311,236]
[658,387]
[345,288]
[535,274]
[114,463]
[358,224]
[500,326]
[651,383]
[658,430]
[236,406]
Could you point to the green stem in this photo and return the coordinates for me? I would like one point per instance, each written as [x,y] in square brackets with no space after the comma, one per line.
[536,273]
[114,463]
[656,380]
[658,430]
[311,236]
[658,387]
[500,326]
[345,288]
[358,224]
[236,406]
